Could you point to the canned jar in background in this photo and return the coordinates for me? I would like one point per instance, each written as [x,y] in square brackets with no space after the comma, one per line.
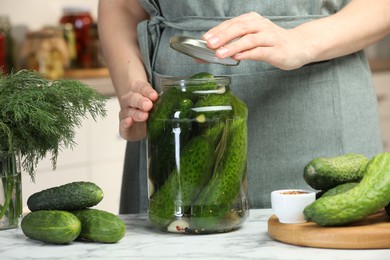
[7,55]
[45,51]
[197,146]
[70,40]
[81,21]
[3,68]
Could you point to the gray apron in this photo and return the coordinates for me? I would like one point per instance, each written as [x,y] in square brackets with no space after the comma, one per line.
[322,109]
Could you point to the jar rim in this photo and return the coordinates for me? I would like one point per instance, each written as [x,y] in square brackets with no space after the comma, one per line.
[182,81]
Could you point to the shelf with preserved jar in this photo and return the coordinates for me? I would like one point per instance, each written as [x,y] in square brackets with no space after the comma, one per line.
[7,57]
[80,19]
[46,52]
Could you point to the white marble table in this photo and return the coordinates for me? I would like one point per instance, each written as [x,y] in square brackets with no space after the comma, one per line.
[143,241]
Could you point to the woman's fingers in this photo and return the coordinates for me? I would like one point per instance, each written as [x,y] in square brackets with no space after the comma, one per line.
[223,27]
[253,37]
[137,115]
[242,34]
[140,97]
[134,100]
[130,130]
[233,29]
[144,89]
[135,107]
[245,43]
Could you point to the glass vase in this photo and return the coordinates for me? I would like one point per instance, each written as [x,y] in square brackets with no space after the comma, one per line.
[11,204]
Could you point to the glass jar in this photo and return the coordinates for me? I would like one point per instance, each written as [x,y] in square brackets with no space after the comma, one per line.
[97,58]
[3,68]
[81,21]
[70,40]
[7,59]
[11,204]
[197,145]
[46,52]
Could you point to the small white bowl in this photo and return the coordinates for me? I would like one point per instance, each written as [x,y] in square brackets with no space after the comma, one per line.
[288,204]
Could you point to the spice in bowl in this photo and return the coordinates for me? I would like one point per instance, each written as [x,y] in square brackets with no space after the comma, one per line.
[288,205]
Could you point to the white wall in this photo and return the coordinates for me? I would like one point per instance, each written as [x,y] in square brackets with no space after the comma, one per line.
[36,13]
[98,155]
[32,15]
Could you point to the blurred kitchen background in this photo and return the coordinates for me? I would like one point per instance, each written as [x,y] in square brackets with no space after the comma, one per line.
[43,35]
[59,39]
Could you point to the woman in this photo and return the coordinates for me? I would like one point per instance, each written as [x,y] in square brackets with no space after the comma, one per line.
[302,74]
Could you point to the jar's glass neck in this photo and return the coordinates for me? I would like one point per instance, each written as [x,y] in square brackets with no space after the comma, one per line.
[217,85]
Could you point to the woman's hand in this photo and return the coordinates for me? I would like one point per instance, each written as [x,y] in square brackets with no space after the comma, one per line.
[124,60]
[253,37]
[135,106]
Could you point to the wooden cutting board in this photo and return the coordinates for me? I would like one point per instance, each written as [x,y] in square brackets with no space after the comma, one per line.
[371,233]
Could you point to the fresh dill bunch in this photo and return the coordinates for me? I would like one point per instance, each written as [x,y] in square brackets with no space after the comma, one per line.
[38,116]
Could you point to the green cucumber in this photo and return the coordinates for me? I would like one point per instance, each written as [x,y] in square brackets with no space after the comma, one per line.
[100,226]
[71,196]
[200,82]
[340,189]
[215,200]
[325,173]
[216,106]
[51,226]
[369,196]
[163,109]
[336,190]
[175,135]
[170,100]
[203,76]
[184,183]
[214,132]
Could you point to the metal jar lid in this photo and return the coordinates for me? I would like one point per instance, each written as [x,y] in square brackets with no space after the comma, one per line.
[197,49]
